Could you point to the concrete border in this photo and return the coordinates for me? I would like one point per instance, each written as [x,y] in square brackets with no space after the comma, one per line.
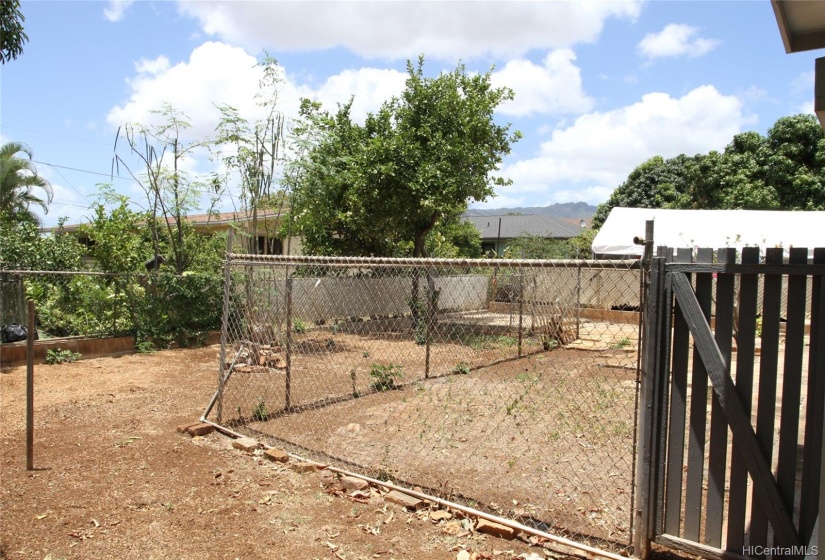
[14,354]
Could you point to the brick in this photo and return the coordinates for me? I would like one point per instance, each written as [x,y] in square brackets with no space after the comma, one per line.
[439,515]
[403,499]
[183,428]
[303,467]
[246,444]
[495,529]
[277,455]
[200,429]
[354,483]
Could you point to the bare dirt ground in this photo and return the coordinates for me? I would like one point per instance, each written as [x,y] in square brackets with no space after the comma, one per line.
[114,479]
[546,439]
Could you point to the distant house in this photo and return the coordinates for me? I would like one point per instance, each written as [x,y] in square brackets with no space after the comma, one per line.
[498,231]
[269,242]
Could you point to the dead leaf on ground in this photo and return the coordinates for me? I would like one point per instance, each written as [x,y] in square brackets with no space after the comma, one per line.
[371,529]
[82,534]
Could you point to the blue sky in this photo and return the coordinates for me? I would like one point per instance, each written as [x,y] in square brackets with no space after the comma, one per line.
[600,87]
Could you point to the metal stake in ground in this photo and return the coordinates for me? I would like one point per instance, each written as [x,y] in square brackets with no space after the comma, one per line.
[288,386]
[30,388]
[520,309]
[227,279]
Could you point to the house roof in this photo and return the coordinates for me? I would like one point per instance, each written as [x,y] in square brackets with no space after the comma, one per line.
[523,224]
[709,228]
[228,217]
[801,24]
[199,220]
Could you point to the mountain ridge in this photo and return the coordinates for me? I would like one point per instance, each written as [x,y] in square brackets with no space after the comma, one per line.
[563,211]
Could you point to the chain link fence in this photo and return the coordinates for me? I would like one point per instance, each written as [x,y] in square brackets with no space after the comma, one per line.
[506,385]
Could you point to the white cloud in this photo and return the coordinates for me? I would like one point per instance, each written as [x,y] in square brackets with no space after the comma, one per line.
[555,87]
[598,151]
[156,66]
[806,107]
[217,73]
[405,29]
[501,201]
[115,9]
[676,40]
[67,203]
[592,195]
[370,86]
[804,83]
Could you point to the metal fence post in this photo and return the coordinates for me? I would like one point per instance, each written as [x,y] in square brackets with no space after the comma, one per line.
[520,310]
[288,381]
[428,318]
[30,388]
[578,298]
[227,279]
[646,414]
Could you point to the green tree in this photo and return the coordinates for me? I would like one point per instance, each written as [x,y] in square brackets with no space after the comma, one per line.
[12,36]
[24,248]
[785,170]
[537,247]
[794,165]
[19,185]
[117,240]
[376,188]
[581,245]
[654,184]
[454,238]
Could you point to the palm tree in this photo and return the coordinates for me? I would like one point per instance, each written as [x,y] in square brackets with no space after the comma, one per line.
[18,183]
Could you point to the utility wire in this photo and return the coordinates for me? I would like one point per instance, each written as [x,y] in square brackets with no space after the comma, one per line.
[83,170]
[67,204]
[71,185]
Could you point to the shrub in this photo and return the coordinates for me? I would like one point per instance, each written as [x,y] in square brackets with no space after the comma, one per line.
[385,377]
[461,368]
[58,356]
[260,413]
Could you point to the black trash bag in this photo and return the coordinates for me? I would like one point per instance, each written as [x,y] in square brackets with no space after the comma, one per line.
[14,333]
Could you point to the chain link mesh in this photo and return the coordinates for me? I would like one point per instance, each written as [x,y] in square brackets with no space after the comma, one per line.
[506,385]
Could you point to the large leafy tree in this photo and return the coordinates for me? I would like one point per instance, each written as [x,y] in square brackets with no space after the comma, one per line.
[783,170]
[380,188]
[12,36]
[20,185]
[654,184]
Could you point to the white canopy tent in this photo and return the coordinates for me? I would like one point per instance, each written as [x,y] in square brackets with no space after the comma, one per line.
[709,228]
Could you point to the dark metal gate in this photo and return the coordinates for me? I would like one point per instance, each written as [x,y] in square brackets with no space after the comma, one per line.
[733,471]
